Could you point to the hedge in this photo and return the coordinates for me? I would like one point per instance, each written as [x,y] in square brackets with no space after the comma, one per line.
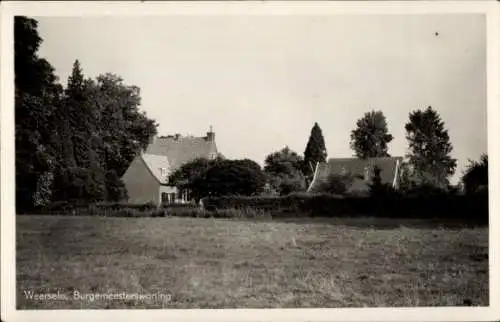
[108,209]
[473,207]
[446,206]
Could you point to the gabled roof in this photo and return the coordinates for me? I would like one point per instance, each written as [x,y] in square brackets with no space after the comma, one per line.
[180,150]
[363,169]
[155,164]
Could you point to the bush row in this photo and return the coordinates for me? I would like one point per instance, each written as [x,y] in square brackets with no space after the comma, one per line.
[67,206]
[237,213]
[470,207]
[113,209]
[147,210]
[75,206]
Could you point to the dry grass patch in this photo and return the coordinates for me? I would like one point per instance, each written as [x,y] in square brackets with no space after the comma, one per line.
[217,263]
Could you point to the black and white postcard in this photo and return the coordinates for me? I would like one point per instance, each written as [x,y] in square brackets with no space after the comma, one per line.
[250,160]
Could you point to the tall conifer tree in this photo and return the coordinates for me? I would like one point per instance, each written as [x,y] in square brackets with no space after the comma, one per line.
[315,150]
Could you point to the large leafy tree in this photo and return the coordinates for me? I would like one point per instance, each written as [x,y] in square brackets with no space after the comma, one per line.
[191,171]
[315,150]
[371,136]
[107,131]
[37,95]
[76,143]
[125,130]
[232,177]
[284,171]
[475,176]
[219,177]
[430,149]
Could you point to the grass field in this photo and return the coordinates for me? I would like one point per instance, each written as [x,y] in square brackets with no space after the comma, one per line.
[216,263]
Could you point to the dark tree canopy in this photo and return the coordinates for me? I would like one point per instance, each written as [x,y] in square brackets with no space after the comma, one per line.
[115,187]
[475,177]
[284,171]
[73,143]
[235,177]
[430,148]
[371,136]
[80,162]
[284,161]
[315,150]
[125,129]
[101,131]
[190,172]
[37,94]
[219,177]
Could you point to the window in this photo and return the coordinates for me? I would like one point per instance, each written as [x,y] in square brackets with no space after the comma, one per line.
[164,197]
[163,172]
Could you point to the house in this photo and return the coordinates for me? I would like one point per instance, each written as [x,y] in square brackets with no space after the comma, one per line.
[146,179]
[361,169]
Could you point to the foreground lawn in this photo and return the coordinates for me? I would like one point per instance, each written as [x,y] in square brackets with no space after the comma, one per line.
[215,263]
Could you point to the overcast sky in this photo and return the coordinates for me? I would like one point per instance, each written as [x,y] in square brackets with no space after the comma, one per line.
[262,81]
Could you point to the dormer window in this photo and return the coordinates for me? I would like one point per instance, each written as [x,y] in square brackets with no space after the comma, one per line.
[163,172]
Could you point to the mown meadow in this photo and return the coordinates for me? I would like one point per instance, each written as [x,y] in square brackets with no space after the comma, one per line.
[251,263]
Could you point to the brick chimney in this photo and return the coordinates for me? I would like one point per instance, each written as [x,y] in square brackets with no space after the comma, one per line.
[210,135]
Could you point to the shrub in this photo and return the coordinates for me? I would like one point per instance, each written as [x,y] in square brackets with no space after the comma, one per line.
[180,205]
[111,209]
[196,212]
[246,212]
[290,184]
[475,176]
[269,191]
[336,184]
[377,187]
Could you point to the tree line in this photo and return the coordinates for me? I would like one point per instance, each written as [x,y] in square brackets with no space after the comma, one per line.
[428,165]
[429,162]
[73,142]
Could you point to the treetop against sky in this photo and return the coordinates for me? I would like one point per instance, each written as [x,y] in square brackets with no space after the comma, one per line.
[263,81]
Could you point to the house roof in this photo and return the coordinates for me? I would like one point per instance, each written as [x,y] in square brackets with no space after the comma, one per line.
[363,169]
[155,164]
[180,150]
